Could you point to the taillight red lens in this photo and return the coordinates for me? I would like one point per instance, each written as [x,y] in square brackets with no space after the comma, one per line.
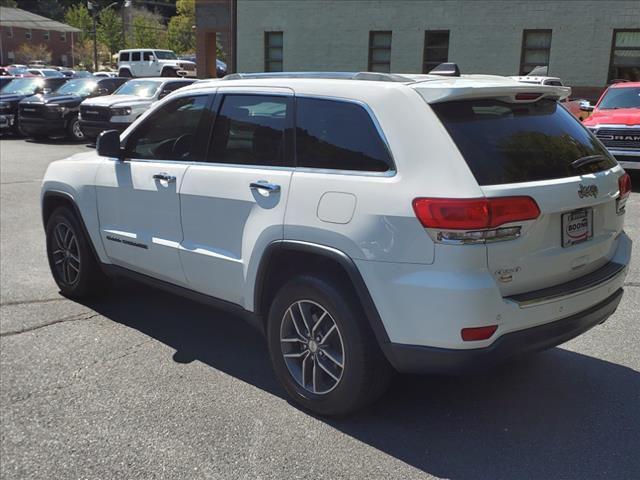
[624,185]
[478,333]
[474,213]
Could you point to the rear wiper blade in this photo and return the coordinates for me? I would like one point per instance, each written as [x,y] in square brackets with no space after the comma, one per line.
[582,161]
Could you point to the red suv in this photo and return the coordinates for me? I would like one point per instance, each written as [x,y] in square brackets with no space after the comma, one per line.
[616,122]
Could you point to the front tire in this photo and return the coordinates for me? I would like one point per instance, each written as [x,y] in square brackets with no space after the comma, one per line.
[74,131]
[322,349]
[73,266]
[169,72]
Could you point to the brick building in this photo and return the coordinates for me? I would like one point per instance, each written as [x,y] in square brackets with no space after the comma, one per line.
[19,26]
[587,43]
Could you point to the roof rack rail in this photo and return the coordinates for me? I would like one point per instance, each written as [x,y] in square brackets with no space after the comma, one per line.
[372,76]
[447,69]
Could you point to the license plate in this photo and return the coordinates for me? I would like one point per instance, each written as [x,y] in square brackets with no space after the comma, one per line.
[577,226]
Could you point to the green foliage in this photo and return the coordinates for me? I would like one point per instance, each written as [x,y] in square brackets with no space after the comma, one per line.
[110,30]
[8,3]
[78,16]
[147,32]
[180,36]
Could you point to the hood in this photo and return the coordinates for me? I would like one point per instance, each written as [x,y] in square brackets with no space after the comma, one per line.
[67,100]
[12,97]
[619,116]
[116,100]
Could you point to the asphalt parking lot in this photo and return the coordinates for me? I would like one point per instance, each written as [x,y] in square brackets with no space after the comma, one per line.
[145,385]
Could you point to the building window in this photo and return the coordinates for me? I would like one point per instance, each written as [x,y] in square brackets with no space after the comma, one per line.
[625,56]
[27,34]
[536,48]
[64,59]
[436,49]
[273,43]
[380,52]
[63,36]
[9,31]
[11,56]
[46,35]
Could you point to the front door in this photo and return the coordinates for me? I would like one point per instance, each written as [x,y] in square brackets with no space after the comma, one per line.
[233,205]
[138,202]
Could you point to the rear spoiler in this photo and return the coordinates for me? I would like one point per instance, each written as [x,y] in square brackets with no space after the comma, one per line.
[510,92]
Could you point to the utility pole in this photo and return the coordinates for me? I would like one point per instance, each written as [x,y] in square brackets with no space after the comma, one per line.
[92,8]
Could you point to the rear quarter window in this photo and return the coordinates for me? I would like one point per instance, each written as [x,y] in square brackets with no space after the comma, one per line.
[338,135]
[511,143]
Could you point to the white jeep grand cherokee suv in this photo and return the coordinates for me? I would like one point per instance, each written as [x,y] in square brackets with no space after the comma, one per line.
[364,222]
[146,62]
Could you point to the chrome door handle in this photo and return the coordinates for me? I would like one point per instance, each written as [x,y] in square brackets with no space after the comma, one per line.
[164,176]
[264,185]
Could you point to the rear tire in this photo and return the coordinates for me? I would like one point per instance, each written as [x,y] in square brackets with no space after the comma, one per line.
[343,368]
[71,260]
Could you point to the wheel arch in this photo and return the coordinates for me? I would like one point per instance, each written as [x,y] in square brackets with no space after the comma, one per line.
[53,199]
[284,258]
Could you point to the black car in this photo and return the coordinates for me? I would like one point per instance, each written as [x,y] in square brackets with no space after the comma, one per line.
[18,89]
[57,113]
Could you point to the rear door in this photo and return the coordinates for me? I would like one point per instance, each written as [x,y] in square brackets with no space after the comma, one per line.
[233,205]
[538,149]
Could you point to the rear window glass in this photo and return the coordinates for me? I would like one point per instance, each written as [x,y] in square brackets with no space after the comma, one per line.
[511,143]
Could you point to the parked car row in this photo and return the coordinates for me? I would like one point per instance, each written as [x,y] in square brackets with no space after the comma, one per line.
[79,108]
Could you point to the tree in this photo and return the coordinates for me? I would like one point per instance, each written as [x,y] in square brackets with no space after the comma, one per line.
[8,3]
[78,16]
[110,30]
[148,31]
[180,35]
[28,52]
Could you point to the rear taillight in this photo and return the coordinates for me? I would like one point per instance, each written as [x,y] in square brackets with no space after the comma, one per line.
[624,186]
[474,220]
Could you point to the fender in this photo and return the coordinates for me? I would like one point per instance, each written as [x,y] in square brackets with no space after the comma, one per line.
[333,254]
[69,199]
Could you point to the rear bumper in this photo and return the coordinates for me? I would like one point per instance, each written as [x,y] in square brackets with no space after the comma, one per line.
[420,359]
[93,128]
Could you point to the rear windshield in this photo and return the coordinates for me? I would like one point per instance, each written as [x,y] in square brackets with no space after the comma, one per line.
[511,143]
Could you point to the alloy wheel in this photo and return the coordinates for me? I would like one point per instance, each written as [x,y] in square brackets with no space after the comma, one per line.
[312,347]
[66,254]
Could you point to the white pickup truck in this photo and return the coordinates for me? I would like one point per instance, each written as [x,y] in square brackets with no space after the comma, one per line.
[145,62]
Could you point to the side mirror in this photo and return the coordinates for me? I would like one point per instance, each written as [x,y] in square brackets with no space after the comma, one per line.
[101,91]
[46,91]
[163,94]
[586,106]
[108,144]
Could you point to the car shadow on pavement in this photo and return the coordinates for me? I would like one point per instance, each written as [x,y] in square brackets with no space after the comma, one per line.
[558,414]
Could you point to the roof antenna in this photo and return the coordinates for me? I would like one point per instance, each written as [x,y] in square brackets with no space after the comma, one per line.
[446,70]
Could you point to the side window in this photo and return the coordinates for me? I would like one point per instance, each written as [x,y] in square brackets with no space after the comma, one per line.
[135,56]
[147,56]
[169,132]
[250,130]
[338,135]
[124,57]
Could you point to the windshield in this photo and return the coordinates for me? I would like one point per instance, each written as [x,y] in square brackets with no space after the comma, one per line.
[52,73]
[515,142]
[627,97]
[80,87]
[22,86]
[141,88]
[165,55]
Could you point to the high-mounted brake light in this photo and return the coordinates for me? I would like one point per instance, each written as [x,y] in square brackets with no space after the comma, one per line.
[474,213]
[528,96]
